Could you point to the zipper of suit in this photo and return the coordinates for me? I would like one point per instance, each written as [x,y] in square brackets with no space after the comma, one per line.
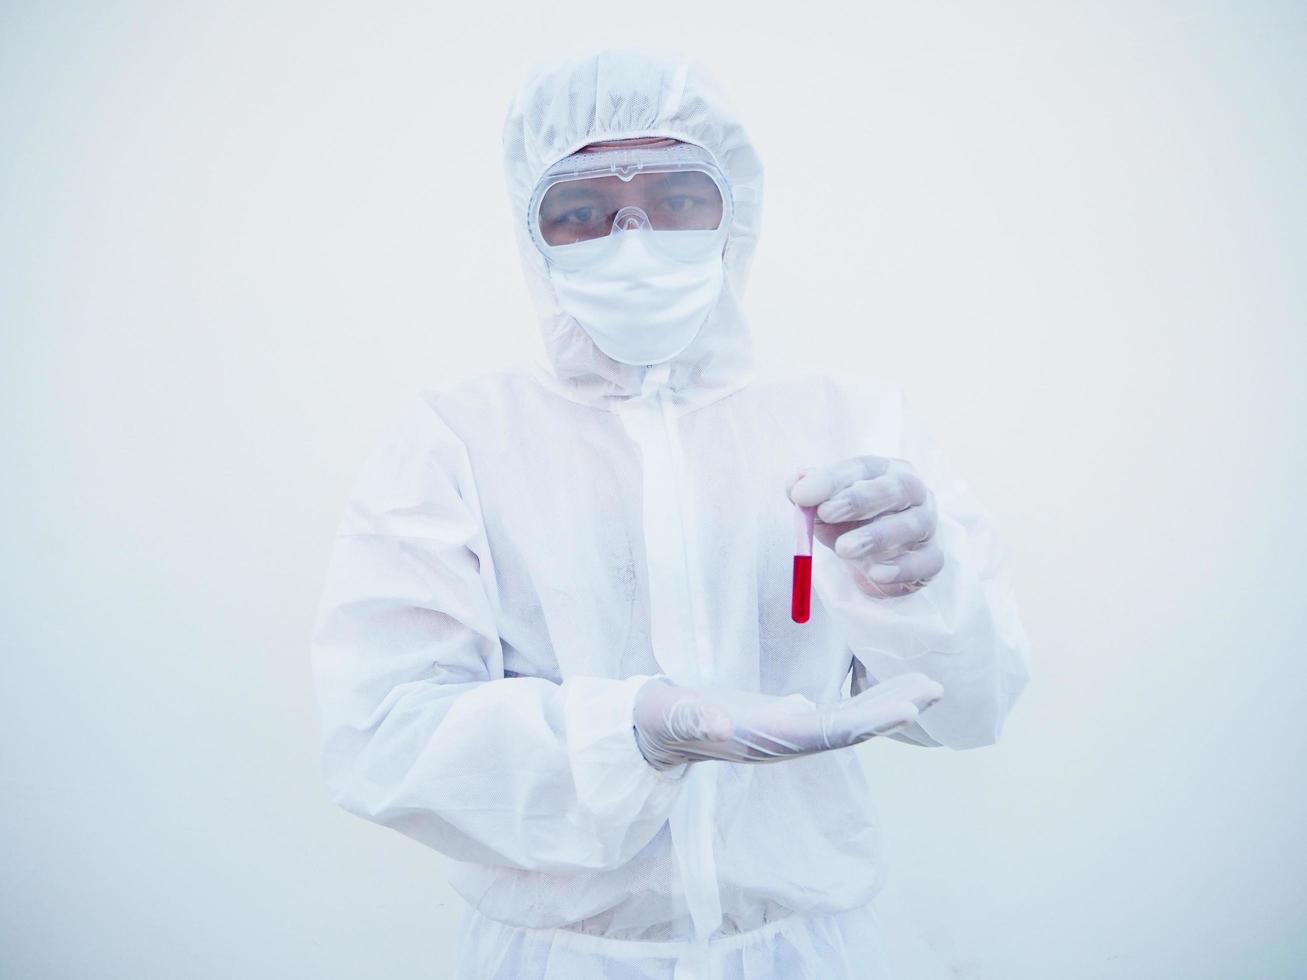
[704,899]
[692,820]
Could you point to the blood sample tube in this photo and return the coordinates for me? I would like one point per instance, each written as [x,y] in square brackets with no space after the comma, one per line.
[801,595]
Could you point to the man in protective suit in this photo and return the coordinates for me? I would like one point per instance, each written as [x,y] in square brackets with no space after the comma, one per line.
[557,640]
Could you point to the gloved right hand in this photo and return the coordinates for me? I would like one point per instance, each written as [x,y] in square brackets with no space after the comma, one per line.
[675,724]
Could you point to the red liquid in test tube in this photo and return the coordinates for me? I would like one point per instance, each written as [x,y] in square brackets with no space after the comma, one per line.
[801,593]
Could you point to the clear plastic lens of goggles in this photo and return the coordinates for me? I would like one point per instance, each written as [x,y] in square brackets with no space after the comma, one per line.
[581,209]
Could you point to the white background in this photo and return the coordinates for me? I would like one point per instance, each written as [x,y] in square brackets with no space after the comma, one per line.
[236,236]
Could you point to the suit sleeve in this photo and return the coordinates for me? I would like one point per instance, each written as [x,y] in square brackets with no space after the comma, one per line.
[963,628]
[421,730]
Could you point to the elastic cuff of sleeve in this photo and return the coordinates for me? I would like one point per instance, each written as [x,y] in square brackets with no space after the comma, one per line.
[613,779]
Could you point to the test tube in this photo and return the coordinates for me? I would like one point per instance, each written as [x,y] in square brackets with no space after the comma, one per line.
[801,594]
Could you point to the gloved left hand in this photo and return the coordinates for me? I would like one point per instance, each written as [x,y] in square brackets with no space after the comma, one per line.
[675,724]
[877,513]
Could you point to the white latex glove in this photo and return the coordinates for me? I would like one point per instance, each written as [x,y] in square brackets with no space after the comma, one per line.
[879,515]
[676,724]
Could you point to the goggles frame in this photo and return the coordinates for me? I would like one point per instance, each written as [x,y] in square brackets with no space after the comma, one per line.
[626,163]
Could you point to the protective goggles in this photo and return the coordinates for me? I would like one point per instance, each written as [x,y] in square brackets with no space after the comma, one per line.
[587,197]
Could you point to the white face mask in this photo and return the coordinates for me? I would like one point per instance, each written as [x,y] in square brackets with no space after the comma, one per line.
[641,298]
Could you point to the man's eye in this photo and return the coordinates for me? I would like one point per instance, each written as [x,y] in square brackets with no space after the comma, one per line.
[580,216]
[680,204]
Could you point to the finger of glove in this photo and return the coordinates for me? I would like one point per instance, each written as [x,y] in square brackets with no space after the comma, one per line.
[798,475]
[870,720]
[895,490]
[882,708]
[792,736]
[820,483]
[889,590]
[828,534]
[786,741]
[887,534]
[771,729]
[919,565]
[771,732]
[824,727]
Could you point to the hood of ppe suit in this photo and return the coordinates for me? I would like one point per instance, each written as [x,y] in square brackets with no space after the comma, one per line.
[615,95]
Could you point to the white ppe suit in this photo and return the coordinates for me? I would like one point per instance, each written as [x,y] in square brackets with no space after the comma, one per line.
[525,549]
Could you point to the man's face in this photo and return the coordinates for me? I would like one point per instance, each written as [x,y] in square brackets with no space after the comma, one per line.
[580,210]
